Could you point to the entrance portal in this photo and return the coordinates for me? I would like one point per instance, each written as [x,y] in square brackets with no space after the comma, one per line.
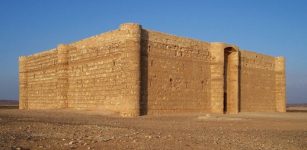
[231,84]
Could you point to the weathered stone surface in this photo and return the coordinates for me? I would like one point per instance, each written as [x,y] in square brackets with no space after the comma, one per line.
[134,71]
[262,83]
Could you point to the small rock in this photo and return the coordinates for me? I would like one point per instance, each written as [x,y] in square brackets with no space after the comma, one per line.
[106,140]
[71,142]
[94,141]
[73,147]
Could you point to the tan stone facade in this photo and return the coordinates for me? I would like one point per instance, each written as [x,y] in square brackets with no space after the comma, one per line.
[134,71]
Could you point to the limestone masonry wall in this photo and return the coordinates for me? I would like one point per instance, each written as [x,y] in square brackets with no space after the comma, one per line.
[134,71]
[39,74]
[257,82]
[101,72]
[178,73]
[280,84]
[262,82]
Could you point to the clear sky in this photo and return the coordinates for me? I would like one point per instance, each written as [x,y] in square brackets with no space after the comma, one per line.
[274,27]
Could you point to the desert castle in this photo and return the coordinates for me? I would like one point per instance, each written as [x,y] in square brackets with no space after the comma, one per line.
[135,71]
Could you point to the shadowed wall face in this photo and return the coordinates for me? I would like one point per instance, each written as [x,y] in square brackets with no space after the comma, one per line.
[178,74]
[257,82]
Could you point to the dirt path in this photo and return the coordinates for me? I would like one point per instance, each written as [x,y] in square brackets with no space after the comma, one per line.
[61,129]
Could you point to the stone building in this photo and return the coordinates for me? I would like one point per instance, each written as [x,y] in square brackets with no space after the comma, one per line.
[135,71]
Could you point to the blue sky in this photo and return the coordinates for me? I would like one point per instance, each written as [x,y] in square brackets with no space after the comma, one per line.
[274,27]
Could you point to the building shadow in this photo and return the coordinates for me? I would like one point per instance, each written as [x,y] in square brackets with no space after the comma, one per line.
[239,82]
[144,73]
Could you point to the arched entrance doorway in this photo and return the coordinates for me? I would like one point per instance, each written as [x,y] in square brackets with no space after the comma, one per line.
[231,80]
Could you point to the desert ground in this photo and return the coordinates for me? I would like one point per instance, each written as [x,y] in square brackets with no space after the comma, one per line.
[72,129]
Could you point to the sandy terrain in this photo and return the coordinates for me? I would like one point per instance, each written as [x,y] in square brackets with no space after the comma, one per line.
[8,104]
[297,108]
[67,129]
